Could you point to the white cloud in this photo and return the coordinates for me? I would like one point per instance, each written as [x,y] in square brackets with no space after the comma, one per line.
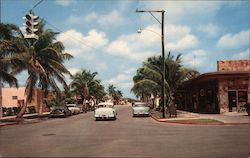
[123,80]
[148,42]
[113,18]
[187,42]
[124,48]
[73,71]
[75,19]
[64,2]
[91,17]
[242,55]
[77,44]
[179,11]
[234,41]
[208,30]
[195,58]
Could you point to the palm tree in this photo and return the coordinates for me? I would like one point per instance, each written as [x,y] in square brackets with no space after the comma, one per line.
[111,90]
[85,85]
[42,59]
[7,36]
[149,78]
[116,94]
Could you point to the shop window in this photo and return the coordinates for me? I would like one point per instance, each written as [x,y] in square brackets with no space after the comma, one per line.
[242,96]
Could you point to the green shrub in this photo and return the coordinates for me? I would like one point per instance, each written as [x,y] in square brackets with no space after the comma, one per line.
[31,109]
[4,109]
[16,110]
[9,112]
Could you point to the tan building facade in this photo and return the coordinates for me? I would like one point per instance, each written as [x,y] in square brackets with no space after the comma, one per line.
[228,89]
[15,97]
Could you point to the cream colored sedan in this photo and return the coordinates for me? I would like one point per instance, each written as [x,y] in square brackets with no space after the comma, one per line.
[74,109]
[105,110]
[140,109]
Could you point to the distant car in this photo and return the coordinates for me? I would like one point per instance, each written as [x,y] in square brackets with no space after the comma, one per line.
[74,109]
[105,110]
[60,111]
[140,109]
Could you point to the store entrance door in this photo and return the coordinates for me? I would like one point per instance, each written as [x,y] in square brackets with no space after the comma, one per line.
[232,100]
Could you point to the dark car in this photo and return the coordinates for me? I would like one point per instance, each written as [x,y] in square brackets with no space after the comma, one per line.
[60,111]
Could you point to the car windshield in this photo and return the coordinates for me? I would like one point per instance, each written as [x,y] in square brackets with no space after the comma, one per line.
[103,105]
[70,105]
[140,105]
[58,107]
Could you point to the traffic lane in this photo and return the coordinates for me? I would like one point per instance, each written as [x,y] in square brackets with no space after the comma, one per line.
[141,136]
[82,136]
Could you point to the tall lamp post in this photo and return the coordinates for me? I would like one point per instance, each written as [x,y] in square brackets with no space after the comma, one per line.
[163,53]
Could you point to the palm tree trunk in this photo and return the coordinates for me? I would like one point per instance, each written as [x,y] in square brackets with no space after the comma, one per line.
[40,96]
[22,111]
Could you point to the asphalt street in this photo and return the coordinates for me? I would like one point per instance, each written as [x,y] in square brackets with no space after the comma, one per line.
[82,136]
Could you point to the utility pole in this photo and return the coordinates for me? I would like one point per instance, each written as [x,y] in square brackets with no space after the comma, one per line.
[163,53]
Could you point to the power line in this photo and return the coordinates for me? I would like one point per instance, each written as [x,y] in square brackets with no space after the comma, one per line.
[81,41]
[36,4]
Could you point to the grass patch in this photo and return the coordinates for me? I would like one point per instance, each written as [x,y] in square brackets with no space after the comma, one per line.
[196,121]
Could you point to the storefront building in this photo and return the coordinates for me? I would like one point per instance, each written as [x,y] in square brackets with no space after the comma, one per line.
[228,89]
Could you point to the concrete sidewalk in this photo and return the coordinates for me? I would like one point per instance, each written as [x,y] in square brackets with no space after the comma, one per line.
[27,118]
[228,118]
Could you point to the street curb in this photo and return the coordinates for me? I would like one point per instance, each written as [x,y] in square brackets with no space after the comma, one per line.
[192,123]
[8,124]
[18,123]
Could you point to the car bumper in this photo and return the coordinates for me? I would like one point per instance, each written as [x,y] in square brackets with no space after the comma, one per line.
[141,114]
[104,117]
[57,115]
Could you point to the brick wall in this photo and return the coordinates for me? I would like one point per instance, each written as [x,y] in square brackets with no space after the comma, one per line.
[224,85]
[233,65]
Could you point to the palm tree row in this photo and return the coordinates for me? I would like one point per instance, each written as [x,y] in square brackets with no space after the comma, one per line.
[43,59]
[148,78]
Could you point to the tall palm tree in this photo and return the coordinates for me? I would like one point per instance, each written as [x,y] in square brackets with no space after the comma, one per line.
[116,94]
[85,85]
[111,90]
[149,77]
[7,36]
[147,80]
[43,59]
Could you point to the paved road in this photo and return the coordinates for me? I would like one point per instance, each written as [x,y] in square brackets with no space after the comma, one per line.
[82,136]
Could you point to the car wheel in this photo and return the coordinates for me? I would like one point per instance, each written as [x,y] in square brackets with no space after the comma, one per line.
[97,119]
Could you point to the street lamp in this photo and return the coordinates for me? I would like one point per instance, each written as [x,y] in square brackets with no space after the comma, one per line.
[140,31]
[163,52]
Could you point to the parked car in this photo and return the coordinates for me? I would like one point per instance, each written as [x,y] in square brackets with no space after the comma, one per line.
[80,106]
[74,109]
[60,111]
[105,110]
[140,109]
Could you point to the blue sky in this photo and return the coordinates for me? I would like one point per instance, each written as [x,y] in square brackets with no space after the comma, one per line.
[102,34]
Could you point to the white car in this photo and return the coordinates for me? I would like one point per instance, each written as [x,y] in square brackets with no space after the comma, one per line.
[74,109]
[140,109]
[105,110]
